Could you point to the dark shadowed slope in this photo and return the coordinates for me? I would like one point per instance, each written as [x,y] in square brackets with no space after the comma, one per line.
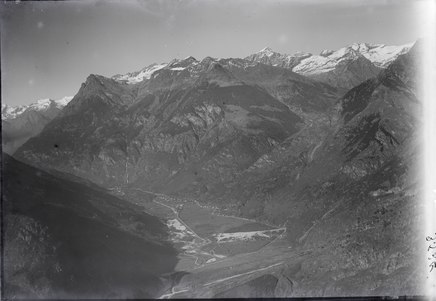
[65,238]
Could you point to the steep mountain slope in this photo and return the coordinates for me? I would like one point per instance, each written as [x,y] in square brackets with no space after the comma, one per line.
[297,92]
[351,199]
[23,122]
[372,223]
[70,239]
[196,122]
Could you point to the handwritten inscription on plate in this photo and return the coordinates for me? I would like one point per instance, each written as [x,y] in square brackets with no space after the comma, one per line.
[431,250]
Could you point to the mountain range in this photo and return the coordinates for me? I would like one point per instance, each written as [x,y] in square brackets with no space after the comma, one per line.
[320,145]
[182,115]
[343,68]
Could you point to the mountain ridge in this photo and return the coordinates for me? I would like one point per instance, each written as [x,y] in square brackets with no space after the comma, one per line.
[371,58]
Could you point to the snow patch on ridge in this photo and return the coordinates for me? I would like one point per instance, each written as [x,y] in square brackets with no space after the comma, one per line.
[139,76]
[246,236]
[381,55]
[63,101]
[178,68]
[326,61]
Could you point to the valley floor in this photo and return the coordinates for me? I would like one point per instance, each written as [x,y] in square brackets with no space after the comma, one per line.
[230,257]
[217,252]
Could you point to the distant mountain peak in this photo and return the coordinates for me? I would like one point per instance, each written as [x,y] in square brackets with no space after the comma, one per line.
[41,105]
[181,64]
[64,100]
[139,76]
[208,59]
[190,58]
[345,52]
[326,52]
[270,57]
[266,49]
[357,45]
[94,78]
[43,101]
[380,55]
[301,54]
[23,122]
[365,46]
[304,63]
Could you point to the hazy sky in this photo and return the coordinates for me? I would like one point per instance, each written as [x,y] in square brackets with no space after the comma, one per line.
[49,48]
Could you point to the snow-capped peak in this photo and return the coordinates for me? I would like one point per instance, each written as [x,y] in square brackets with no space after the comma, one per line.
[270,57]
[266,49]
[380,54]
[345,53]
[9,112]
[326,52]
[178,64]
[63,101]
[139,76]
[148,72]
[326,61]
[190,58]
[362,46]
[41,105]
